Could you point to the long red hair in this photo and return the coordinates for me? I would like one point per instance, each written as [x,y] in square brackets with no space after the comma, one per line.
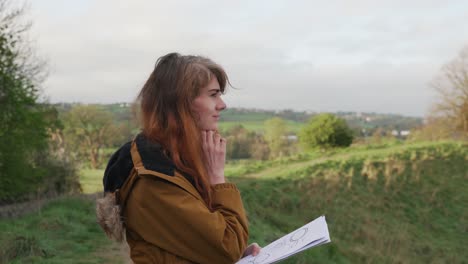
[166,115]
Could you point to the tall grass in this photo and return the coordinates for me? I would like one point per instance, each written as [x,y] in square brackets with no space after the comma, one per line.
[397,204]
[65,231]
[404,206]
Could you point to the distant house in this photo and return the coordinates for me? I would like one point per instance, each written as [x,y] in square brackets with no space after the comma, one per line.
[290,138]
[404,133]
[400,133]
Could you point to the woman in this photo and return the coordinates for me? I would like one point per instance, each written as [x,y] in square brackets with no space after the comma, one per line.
[165,192]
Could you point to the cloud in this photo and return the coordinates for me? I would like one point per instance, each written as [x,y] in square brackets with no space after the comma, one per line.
[323,56]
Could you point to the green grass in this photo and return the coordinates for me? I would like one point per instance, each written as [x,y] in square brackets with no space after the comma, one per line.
[258,126]
[64,231]
[398,203]
[91,180]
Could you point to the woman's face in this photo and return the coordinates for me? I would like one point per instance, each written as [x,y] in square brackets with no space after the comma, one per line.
[208,105]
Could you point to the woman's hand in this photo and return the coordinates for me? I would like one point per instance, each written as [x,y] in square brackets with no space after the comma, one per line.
[215,151]
[253,249]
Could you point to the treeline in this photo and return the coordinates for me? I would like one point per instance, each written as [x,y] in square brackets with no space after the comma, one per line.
[124,111]
[92,132]
[31,165]
[364,124]
[359,120]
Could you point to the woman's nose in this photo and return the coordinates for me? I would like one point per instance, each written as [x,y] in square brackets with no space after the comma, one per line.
[220,106]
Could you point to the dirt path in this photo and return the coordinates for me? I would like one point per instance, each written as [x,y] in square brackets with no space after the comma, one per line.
[115,253]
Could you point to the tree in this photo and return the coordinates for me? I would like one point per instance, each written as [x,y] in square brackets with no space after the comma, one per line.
[435,128]
[29,166]
[245,144]
[88,130]
[239,143]
[451,85]
[276,136]
[259,149]
[20,75]
[326,130]
[23,126]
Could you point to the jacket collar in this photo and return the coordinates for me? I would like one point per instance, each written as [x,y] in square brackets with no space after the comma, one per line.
[152,157]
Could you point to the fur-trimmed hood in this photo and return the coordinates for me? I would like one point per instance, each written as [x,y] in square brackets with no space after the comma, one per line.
[117,175]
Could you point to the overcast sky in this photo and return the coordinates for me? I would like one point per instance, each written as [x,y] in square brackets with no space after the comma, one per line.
[360,55]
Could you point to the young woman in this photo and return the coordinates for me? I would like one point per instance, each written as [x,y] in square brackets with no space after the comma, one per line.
[165,192]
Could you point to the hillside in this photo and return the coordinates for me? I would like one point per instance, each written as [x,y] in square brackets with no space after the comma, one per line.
[398,204]
[405,204]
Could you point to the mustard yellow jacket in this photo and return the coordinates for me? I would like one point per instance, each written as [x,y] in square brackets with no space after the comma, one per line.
[165,217]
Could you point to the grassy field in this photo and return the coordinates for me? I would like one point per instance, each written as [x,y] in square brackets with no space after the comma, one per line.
[258,126]
[91,180]
[384,204]
[404,204]
[64,231]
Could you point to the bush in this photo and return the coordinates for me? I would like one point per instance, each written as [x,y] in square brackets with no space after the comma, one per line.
[325,131]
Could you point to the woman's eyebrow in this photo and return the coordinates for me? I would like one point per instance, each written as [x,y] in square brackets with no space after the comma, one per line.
[213,90]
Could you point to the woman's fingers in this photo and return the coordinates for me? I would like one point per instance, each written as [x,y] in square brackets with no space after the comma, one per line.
[214,147]
[209,139]
[253,249]
[212,140]
[203,138]
[217,139]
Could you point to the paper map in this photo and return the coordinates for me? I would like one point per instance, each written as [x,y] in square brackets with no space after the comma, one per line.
[310,235]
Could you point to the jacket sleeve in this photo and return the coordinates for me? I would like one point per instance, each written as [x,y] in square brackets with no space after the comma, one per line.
[172,219]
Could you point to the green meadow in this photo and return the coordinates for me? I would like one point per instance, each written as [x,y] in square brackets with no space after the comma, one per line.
[403,203]
[258,126]
[64,231]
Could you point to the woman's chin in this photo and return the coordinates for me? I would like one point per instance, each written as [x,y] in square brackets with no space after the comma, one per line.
[213,125]
[210,127]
